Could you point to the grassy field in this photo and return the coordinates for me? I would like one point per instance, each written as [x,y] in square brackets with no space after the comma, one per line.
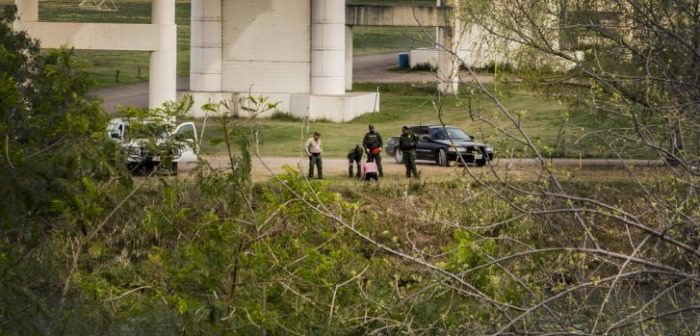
[133,66]
[374,40]
[542,118]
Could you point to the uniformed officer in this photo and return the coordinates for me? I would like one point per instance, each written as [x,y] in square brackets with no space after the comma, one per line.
[407,143]
[373,146]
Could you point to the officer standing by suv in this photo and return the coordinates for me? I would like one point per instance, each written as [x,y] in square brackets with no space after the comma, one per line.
[407,143]
[373,146]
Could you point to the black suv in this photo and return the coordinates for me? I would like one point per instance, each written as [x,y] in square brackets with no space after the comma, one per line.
[442,145]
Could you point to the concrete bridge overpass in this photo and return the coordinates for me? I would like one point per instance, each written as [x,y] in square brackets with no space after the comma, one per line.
[296,52]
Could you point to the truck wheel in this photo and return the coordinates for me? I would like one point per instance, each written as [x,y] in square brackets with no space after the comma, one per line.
[173,169]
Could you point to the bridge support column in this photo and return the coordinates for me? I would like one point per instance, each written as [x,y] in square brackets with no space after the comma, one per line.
[27,10]
[328,47]
[348,58]
[162,84]
[448,42]
[206,46]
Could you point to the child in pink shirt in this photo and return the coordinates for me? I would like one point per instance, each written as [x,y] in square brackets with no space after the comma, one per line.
[369,170]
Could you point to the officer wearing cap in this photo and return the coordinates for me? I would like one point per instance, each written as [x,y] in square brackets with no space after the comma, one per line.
[373,146]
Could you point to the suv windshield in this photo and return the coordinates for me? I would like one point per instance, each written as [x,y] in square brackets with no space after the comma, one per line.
[453,133]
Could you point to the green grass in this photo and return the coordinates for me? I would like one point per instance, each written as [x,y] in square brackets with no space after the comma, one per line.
[374,40]
[132,65]
[110,68]
[412,104]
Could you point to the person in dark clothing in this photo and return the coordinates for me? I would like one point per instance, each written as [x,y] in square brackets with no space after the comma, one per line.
[373,143]
[355,155]
[407,143]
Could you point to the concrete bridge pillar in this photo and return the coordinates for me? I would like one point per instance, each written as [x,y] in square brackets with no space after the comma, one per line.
[348,58]
[328,47]
[448,38]
[162,83]
[206,46]
[27,10]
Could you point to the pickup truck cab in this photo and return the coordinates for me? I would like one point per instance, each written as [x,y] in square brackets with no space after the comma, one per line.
[154,143]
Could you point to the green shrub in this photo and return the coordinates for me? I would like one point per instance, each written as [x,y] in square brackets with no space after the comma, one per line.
[426,66]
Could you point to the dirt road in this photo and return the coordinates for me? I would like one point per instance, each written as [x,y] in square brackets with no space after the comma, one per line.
[337,168]
[264,168]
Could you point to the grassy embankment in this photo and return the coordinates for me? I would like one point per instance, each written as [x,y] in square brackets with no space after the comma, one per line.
[132,65]
[542,118]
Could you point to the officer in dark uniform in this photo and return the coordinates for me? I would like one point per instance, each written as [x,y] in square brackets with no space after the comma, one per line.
[355,156]
[407,143]
[373,145]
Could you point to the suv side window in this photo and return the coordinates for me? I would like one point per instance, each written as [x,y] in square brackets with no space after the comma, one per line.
[419,130]
[185,131]
[438,133]
[116,131]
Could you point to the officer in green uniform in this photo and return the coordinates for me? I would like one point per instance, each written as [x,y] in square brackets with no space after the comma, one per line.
[372,143]
[407,143]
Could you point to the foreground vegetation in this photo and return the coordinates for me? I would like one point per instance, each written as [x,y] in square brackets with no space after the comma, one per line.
[217,254]
[221,254]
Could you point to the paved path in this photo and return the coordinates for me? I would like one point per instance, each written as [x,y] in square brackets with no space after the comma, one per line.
[376,61]
[366,68]
[130,94]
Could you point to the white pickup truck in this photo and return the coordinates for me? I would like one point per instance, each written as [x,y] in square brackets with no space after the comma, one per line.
[154,143]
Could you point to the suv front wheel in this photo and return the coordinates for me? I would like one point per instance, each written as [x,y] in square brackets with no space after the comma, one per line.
[441,158]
